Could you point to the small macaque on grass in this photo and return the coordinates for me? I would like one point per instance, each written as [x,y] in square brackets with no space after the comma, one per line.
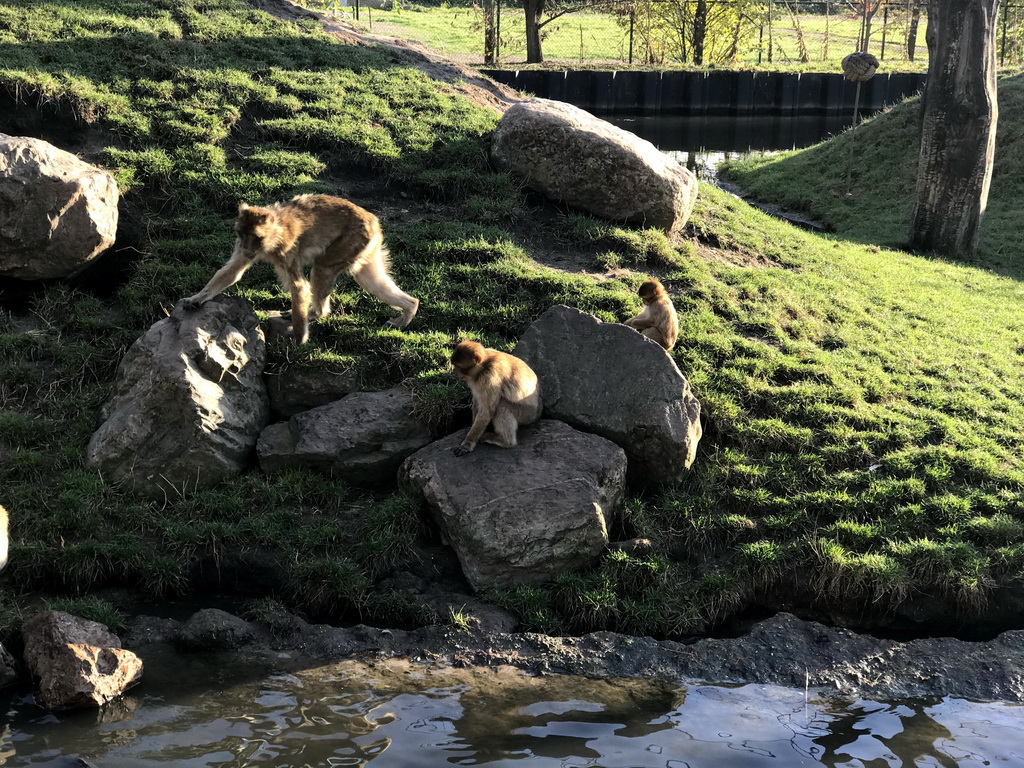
[658,320]
[505,394]
[329,234]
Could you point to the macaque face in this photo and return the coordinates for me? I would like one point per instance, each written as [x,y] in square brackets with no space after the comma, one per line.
[250,230]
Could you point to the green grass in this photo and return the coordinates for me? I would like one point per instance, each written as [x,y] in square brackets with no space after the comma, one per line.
[600,37]
[861,183]
[864,408]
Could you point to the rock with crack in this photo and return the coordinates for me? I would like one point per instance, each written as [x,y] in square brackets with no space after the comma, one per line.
[76,663]
[588,377]
[575,158]
[363,437]
[521,515]
[57,213]
[189,402]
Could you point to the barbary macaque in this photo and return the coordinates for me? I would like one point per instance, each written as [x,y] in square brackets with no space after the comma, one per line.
[3,537]
[658,320]
[505,394]
[329,233]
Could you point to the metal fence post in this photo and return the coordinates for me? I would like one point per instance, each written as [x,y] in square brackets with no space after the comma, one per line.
[632,18]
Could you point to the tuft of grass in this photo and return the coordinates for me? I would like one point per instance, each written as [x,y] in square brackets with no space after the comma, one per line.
[91,608]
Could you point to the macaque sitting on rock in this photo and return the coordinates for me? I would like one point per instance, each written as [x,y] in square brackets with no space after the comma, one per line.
[658,320]
[505,394]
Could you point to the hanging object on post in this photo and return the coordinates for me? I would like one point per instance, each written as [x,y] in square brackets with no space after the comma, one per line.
[859,66]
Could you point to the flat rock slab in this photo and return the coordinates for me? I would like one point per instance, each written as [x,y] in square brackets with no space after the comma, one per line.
[363,437]
[588,372]
[521,515]
[573,157]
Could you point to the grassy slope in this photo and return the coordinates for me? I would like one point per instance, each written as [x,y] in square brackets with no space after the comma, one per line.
[861,184]
[865,413]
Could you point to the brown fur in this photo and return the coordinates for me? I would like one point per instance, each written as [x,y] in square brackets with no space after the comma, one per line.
[505,394]
[332,235]
[658,320]
[3,537]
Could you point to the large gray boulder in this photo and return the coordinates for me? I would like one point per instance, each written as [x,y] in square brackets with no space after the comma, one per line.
[578,159]
[521,515]
[608,379]
[76,662]
[189,401]
[363,437]
[57,213]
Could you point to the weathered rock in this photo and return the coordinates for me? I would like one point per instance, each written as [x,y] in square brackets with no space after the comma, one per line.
[522,515]
[57,213]
[214,629]
[573,157]
[587,372]
[189,401]
[363,437]
[8,668]
[77,663]
[298,389]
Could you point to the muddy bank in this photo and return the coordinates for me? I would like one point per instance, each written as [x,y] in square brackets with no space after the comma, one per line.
[782,650]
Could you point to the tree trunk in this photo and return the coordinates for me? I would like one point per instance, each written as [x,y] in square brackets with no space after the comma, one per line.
[915,20]
[534,9]
[958,127]
[490,41]
[700,30]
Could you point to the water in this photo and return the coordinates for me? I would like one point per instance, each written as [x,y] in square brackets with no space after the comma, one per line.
[701,142]
[191,711]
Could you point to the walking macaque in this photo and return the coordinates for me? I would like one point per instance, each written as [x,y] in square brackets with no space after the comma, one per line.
[3,537]
[329,233]
[505,394]
[658,320]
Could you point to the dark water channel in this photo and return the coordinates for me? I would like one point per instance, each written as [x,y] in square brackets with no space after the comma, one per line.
[700,142]
[193,711]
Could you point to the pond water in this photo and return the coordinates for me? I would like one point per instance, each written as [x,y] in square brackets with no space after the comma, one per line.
[700,142]
[193,711]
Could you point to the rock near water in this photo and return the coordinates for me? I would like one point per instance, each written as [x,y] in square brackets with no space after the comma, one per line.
[77,663]
[573,157]
[57,213]
[189,402]
[607,379]
[521,515]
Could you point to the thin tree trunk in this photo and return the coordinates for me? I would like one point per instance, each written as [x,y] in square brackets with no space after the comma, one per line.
[534,9]
[958,127]
[915,21]
[700,30]
[490,39]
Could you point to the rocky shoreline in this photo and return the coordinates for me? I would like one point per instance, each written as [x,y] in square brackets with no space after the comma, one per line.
[783,650]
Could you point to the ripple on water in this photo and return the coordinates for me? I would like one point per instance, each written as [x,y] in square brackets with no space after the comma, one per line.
[282,711]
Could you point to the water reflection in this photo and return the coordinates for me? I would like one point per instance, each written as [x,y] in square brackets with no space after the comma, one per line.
[732,133]
[701,142]
[402,714]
